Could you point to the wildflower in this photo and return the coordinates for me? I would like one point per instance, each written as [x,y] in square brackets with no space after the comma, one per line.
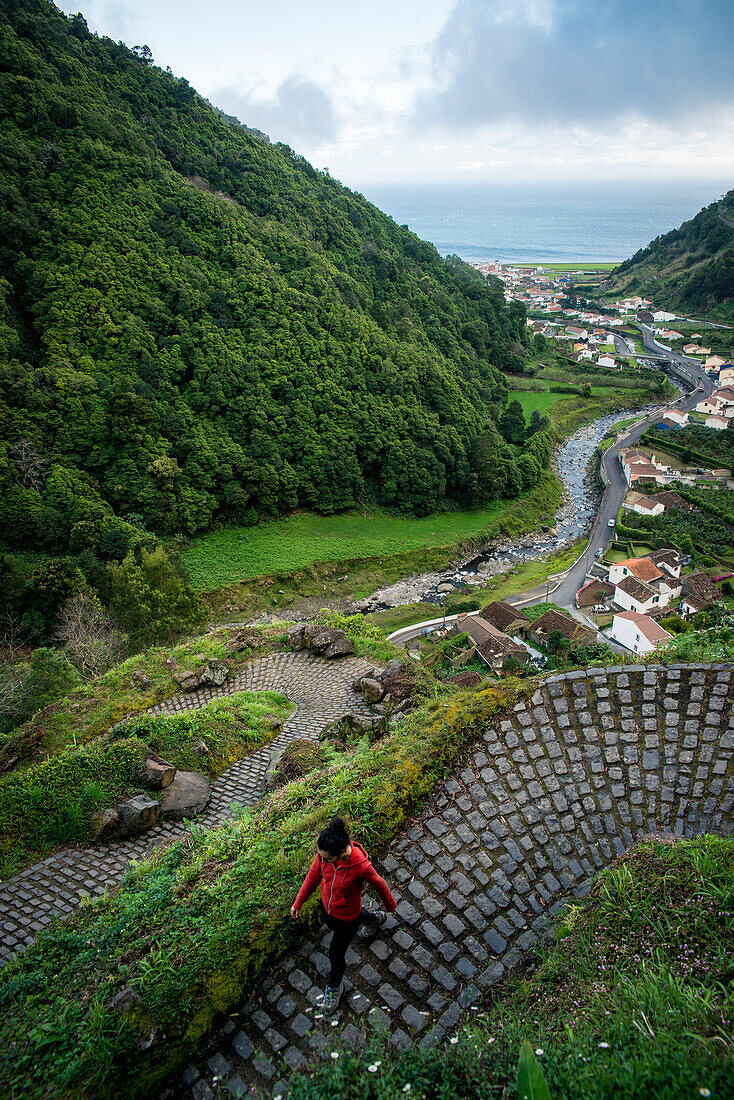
[491,1040]
[453,1039]
[335,1054]
[539,1051]
[704,1092]
[335,1023]
[372,1068]
[604,1046]
[406,1088]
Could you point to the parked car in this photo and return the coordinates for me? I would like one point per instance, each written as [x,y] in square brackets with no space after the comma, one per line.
[598,553]
[611,522]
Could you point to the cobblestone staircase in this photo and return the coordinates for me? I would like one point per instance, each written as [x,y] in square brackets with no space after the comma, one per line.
[543,800]
[54,887]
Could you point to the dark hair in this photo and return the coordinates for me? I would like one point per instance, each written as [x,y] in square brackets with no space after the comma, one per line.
[335,837]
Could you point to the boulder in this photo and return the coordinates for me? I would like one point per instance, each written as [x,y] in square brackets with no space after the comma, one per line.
[200,747]
[171,664]
[142,679]
[158,774]
[392,668]
[187,796]
[466,679]
[137,814]
[104,824]
[371,689]
[213,673]
[321,641]
[125,1002]
[445,587]
[272,722]
[297,636]
[187,681]
[341,646]
[311,631]
[351,727]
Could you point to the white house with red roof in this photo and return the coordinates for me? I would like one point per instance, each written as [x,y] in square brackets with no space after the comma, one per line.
[638,633]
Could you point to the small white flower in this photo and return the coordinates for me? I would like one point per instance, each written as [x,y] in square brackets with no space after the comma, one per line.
[335,1023]
[406,1088]
[372,1068]
[539,1050]
[335,1054]
[704,1092]
[490,1040]
[604,1046]
[453,1039]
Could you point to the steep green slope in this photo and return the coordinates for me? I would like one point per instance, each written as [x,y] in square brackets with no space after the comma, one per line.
[690,269]
[197,324]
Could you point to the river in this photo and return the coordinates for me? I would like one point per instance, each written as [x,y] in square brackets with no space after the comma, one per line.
[581,494]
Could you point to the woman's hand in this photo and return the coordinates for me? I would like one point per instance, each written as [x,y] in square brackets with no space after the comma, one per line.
[295,913]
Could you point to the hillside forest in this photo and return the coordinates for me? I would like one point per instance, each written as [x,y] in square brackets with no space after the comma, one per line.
[197,327]
[689,269]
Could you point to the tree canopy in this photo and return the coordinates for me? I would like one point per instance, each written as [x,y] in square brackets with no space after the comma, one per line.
[196,325]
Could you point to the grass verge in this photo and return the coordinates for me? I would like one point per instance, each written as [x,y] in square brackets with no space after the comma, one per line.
[634,999]
[197,922]
[94,708]
[51,803]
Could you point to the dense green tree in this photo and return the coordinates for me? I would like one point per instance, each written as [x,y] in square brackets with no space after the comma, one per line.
[512,423]
[196,325]
[151,599]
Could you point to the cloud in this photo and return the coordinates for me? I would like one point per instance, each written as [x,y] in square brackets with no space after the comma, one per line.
[300,112]
[584,62]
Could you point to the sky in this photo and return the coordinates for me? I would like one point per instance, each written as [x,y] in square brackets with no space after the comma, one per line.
[437,91]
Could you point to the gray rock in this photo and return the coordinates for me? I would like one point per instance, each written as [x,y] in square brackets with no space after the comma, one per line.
[213,674]
[321,642]
[341,646]
[187,680]
[351,727]
[158,773]
[187,796]
[371,689]
[124,1002]
[392,668]
[137,814]
[171,664]
[311,631]
[297,636]
[142,679]
[104,823]
[272,722]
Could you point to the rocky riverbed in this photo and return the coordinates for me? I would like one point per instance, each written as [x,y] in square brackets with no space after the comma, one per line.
[581,493]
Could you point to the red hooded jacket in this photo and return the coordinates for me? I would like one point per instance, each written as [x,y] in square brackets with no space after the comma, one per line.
[341,884]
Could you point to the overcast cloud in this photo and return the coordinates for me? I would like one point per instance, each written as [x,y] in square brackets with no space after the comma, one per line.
[300,113]
[580,61]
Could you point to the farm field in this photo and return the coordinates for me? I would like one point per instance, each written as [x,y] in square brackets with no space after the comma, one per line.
[222,557]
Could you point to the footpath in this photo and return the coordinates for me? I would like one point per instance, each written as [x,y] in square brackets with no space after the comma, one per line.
[543,800]
[54,886]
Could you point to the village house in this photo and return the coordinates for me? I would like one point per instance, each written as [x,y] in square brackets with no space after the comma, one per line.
[661,315]
[676,416]
[642,504]
[719,423]
[638,467]
[670,499]
[714,361]
[719,403]
[607,360]
[638,633]
[576,633]
[503,616]
[726,374]
[490,644]
[635,595]
[699,593]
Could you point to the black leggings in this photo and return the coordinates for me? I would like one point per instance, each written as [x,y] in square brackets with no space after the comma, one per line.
[344,932]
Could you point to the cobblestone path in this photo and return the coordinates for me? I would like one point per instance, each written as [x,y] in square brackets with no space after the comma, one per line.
[543,800]
[54,887]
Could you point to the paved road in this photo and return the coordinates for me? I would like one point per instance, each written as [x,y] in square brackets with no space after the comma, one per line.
[614,494]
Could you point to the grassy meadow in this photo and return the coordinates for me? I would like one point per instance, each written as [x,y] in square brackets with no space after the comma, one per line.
[230,554]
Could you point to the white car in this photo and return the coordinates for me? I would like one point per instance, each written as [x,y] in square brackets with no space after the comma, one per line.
[611,522]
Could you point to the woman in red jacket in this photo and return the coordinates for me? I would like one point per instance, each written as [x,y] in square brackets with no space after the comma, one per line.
[342,866]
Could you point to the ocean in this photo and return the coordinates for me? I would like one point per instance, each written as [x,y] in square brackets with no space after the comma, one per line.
[549,223]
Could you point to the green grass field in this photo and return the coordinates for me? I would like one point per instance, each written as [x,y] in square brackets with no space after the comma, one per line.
[571,267]
[542,401]
[222,557]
